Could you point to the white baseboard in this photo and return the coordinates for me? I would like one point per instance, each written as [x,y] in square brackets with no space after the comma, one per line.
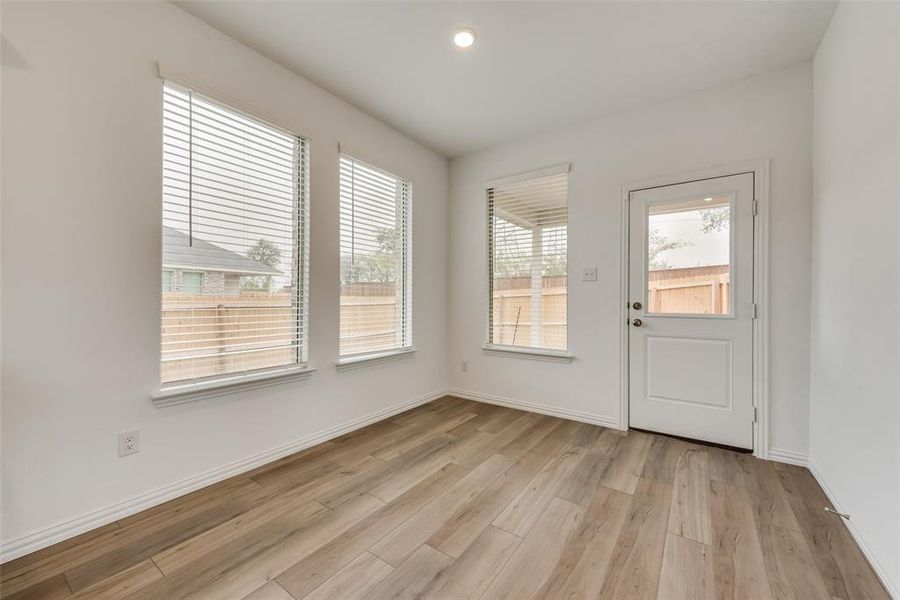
[788,456]
[31,542]
[880,571]
[544,409]
[785,456]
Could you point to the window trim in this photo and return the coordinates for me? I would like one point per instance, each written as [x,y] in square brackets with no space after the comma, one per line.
[189,390]
[535,352]
[404,293]
[364,359]
[545,354]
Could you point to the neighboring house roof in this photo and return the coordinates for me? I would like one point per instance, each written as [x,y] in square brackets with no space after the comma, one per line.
[203,256]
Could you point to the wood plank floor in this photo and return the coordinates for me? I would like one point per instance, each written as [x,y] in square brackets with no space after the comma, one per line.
[457,500]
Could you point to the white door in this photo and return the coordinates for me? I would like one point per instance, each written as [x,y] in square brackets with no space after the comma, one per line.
[691,310]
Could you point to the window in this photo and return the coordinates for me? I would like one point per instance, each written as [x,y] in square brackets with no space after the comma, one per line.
[527,255]
[235,236]
[376,286]
[191,282]
[689,257]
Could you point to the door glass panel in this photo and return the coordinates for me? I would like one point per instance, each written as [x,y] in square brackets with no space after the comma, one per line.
[689,257]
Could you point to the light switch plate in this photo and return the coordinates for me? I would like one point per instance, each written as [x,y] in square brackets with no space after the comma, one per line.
[589,274]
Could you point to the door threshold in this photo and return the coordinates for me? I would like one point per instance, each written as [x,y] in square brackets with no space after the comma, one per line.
[693,441]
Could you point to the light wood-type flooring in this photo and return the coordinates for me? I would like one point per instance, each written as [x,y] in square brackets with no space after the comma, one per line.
[458,499]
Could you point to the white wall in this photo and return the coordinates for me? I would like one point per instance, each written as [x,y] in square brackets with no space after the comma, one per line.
[81,191]
[81,148]
[763,117]
[855,348]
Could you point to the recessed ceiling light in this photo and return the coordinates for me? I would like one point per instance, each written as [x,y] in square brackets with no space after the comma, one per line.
[707,199]
[463,38]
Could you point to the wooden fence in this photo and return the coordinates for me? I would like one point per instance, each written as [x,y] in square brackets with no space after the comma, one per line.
[205,335]
[696,290]
[368,317]
[512,310]
[235,333]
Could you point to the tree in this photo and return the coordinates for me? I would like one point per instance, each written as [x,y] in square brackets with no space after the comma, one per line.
[379,266]
[512,260]
[657,243]
[264,252]
[554,265]
[714,219]
[711,220]
[509,259]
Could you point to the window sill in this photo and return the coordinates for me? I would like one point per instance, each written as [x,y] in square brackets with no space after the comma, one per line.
[182,393]
[359,361]
[557,356]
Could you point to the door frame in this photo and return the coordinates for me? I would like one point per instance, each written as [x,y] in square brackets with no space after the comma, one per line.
[760,377]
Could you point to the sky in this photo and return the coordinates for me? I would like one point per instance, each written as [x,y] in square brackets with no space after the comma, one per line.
[701,249]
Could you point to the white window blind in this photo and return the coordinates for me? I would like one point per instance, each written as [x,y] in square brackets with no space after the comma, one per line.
[376,281]
[234,256]
[527,255]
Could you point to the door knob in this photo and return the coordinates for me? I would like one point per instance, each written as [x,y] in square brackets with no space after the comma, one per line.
[637,322]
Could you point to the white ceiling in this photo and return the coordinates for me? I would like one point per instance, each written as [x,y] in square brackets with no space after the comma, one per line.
[534,66]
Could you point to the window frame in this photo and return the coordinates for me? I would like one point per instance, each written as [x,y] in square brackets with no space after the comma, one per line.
[508,350]
[732,247]
[200,281]
[404,287]
[188,390]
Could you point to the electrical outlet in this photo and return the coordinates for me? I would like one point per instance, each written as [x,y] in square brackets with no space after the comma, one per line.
[465,366]
[129,442]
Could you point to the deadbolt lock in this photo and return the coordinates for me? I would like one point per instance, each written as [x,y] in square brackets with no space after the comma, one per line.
[637,306]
